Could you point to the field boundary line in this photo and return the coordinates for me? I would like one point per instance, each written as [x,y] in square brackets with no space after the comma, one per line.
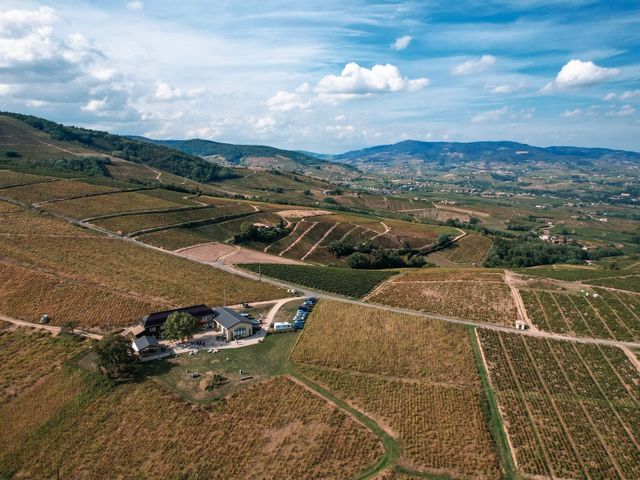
[615,314]
[326,234]
[149,212]
[88,195]
[496,422]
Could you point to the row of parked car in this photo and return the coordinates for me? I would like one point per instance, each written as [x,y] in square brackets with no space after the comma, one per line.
[300,318]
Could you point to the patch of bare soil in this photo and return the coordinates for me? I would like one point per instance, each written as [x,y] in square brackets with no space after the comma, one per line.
[231,255]
[300,213]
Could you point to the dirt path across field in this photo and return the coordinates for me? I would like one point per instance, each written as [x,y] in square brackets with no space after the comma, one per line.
[48,328]
[515,293]
[326,234]
[221,253]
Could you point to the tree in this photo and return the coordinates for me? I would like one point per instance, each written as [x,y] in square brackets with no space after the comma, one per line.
[115,355]
[180,326]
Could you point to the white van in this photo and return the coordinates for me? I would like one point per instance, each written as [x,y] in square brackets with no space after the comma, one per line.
[282,326]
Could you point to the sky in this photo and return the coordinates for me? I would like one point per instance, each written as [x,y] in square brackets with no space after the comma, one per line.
[328,75]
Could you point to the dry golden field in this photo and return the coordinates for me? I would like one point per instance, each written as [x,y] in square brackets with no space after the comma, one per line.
[28,224]
[7,207]
[273,429]
[482,298]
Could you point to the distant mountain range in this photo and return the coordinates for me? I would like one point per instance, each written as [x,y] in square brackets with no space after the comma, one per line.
[450,153]
[254,156]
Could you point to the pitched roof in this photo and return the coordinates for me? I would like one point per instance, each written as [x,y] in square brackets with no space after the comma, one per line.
[141,343]
[158,318]
[229,318]
[137,330]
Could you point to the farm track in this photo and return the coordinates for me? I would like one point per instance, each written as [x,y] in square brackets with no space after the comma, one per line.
[87,195]
[313,248]
[320,294]
[48,328]
[302,235]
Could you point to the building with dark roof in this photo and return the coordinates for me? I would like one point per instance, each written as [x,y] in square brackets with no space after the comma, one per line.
[232,325]
[154,322]
[146,345]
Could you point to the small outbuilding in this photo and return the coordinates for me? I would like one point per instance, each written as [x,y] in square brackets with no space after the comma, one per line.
[146,346]
[231,324]
[520,325]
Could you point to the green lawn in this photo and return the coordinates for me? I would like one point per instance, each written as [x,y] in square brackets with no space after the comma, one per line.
[261,361]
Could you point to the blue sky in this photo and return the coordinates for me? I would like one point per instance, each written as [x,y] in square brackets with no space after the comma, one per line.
[329,77]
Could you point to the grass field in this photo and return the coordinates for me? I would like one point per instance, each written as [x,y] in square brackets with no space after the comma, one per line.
[27,294]
[417,379]
[108,204]
[610,314]
[42,192]
[345,281]
[477,296]
[571,410]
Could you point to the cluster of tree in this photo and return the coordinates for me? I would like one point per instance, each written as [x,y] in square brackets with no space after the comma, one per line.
[180,326]
[136,151]
[256,233]
[528,251]
[115,356]
[504,177]
[384,258]
[90,166]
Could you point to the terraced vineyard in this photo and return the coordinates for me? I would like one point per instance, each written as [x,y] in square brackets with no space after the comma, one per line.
[416,378]
[7,207]
[482,297]
[470,249]
[571,410]
[607,314]
[27,294]
[9,177]
[42,192]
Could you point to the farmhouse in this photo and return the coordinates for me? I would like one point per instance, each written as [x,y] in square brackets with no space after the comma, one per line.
[232,325]
[154,322]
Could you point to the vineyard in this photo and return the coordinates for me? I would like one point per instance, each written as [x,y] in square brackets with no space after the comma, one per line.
[416,378]
[571,410]
[630,283]
[42,192]
[8,177]
[439,428]
[385,343]
[470,249]
[319,441]
[174,238]
[154,276]
[27,294]
[344,281]
[108,204]
[608,314]
[6,207]
[134,223]
[29,223]
[474,299]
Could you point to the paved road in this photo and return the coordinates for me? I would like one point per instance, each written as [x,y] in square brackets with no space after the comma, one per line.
[310,292]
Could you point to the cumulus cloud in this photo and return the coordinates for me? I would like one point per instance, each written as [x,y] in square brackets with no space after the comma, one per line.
[402,42]
[474,65]
[576,73]
[609,96]
[630,94]
[284,101]
[571,113]
[164,91]
[94,105]
[356,80]
[135,6]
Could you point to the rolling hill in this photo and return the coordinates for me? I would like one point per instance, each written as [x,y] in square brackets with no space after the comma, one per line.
[454,153]
[258,156]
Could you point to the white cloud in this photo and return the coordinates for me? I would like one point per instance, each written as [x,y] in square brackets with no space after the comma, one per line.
[624,111]
[340,118]
[571,113]
[402,42]
[475,65]
[507,88]
[490,115]
[164,91]
[5,89]
[286,101]
[263,125]
[16,21]
[577,73]
[609,96]
[135,6]
[503,113]
[356,80]
[94,105]
[630,94]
